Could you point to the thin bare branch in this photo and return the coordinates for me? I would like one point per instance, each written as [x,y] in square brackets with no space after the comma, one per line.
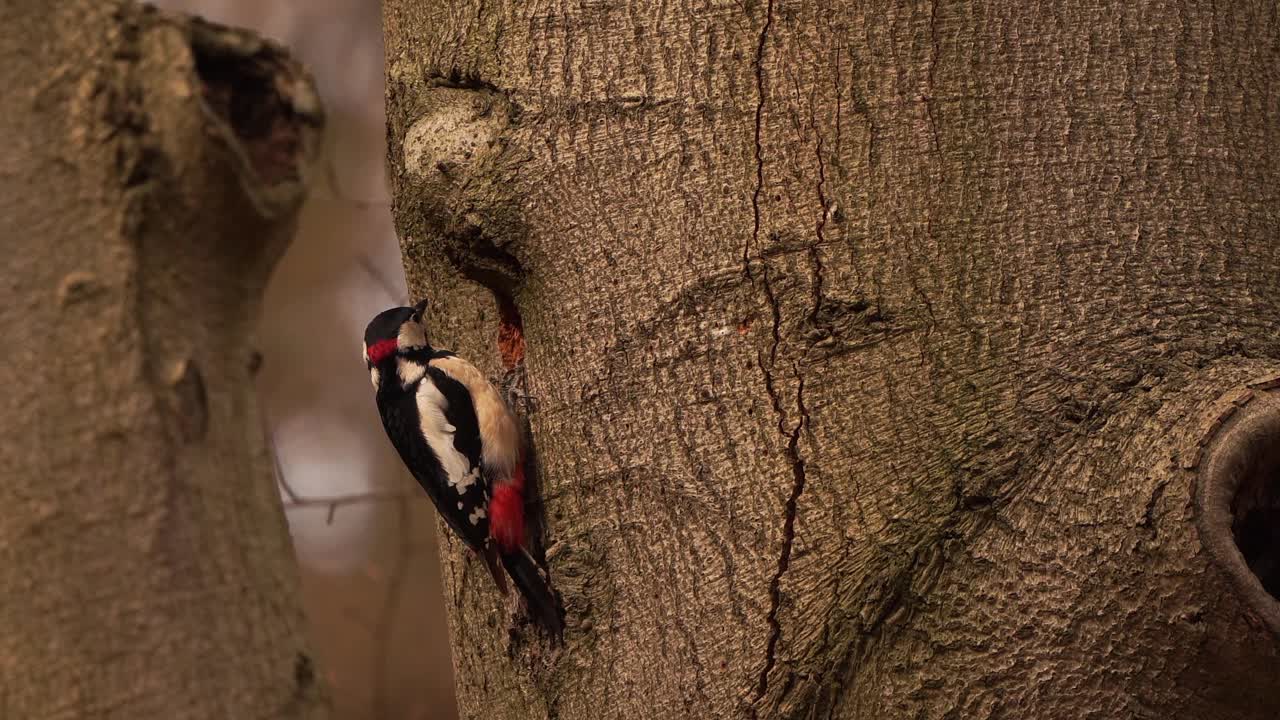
[386,619]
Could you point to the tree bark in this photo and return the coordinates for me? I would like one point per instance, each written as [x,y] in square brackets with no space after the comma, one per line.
[152,170]
[886,360]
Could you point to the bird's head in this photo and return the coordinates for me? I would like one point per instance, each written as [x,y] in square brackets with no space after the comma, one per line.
[394,332]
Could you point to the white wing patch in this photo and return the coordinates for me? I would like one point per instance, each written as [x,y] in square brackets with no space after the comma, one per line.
[477,515]
[501,449]
[461,484]
[439,435]
[411,372]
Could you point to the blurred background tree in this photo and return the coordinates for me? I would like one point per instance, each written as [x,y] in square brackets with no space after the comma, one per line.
[153,168]
[369,564]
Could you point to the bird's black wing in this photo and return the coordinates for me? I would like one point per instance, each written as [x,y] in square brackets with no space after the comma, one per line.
[434,429]
[470,520]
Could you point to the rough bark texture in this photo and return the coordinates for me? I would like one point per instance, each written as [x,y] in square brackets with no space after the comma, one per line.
[151,174]
[874,348]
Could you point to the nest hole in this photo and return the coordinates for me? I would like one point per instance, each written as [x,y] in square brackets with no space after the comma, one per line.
[1238,502]
[250,85]
[1255,512]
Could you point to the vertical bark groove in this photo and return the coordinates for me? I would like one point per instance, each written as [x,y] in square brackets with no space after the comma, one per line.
[788,522]
[759,132]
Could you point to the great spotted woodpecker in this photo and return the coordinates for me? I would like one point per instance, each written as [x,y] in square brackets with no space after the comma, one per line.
[461,443]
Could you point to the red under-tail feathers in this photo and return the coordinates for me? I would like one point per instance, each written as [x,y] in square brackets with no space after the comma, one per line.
[506,527]
[506,511]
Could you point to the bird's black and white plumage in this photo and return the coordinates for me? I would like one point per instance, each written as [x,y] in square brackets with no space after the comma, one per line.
[461,443]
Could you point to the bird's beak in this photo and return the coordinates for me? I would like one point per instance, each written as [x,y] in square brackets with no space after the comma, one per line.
[418,309]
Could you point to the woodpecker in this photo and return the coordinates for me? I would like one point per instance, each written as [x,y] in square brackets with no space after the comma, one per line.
[461,443]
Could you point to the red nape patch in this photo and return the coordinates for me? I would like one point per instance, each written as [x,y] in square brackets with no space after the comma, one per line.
[506,518]
[380,350]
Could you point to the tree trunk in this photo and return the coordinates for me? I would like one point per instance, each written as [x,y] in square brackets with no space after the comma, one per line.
[886,361]
[151,173]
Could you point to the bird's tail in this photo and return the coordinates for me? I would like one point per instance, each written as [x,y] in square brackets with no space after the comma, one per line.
[542,603]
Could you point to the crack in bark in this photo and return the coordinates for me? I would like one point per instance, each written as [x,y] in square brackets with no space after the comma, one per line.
[793,437]
[797,488]
[814,256]
[788,528]
[1148,521]
[933,66]
[755,195]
